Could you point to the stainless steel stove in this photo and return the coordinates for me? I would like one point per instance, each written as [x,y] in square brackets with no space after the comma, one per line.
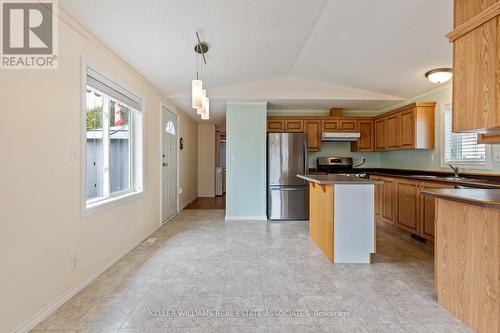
[339,166]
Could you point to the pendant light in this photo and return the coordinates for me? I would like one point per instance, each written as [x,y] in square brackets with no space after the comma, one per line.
[199,99]
[439,75]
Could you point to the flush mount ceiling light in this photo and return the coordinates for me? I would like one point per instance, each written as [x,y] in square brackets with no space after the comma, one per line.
[199,99]
[439,75]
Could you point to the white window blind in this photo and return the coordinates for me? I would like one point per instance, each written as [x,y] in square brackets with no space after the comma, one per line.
[461,148]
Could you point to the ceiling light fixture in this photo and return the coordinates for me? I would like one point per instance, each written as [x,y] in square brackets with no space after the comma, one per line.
[439,75]
[199,99]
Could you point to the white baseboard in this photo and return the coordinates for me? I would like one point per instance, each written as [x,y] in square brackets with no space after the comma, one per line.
[206,195]
[50,308]
[240,218]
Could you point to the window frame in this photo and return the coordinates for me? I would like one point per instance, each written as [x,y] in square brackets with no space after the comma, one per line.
[137,149]
[466,165]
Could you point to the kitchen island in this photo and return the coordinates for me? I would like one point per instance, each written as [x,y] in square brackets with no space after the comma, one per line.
[342,216]
[467,255]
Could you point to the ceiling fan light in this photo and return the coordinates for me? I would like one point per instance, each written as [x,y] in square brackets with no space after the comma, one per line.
[196,94]
[439,75]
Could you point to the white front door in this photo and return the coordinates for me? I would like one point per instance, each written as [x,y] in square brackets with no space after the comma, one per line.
[169,163]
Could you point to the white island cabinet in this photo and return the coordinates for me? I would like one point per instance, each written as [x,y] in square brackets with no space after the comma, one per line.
[342,217]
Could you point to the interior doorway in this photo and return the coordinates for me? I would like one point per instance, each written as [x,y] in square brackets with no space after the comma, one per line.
[169,164]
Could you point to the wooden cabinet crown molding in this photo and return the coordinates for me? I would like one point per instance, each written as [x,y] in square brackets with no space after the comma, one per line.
[474,22]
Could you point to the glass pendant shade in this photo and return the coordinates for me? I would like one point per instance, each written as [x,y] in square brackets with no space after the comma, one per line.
[196,94]
[206,105]
[201,109]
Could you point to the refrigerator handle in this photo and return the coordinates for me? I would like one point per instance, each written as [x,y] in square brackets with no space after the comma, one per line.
[306,157]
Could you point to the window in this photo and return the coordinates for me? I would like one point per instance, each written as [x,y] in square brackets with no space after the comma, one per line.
[461,148]
[112,142]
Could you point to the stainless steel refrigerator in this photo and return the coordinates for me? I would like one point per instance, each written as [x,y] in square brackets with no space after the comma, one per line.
[287,195]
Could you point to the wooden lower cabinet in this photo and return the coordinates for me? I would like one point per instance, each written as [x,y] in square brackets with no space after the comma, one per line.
[387,200]
[428,210]
[399,202]
[407,197]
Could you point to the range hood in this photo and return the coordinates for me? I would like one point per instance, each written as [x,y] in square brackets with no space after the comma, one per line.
[340,136]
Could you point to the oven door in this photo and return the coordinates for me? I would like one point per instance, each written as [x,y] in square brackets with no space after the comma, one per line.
[288,203]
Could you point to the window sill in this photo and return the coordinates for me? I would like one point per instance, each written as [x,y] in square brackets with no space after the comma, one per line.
[102,205]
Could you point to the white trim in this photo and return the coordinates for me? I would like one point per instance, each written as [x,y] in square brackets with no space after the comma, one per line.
[87,210]
[468,166]
[206,195]
[240,218]
[52,307]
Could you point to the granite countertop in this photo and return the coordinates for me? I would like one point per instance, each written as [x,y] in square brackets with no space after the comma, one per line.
[335,179]
[478,197]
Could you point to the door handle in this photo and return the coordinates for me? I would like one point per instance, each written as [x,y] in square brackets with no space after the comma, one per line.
[164,164]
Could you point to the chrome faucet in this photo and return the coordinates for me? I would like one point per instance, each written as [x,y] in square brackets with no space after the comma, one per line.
[455,170]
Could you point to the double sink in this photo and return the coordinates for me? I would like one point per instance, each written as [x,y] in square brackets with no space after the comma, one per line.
[473,182]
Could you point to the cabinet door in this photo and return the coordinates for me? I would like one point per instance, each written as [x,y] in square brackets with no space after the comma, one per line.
[350,125]
[475,79]
[380,134]
[331,125]
[275,125]
[392,135]
[407,129]
[378,197]
[313,130]
[365,142]
[407,195]
[387,200]
[427,210]
[294,125]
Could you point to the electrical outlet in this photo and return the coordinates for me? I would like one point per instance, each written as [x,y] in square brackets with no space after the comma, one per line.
[496,157]
[180,190]
[431,157]
[74,261]
[73,154]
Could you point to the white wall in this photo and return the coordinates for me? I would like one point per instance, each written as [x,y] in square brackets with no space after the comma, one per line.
[206,160]
[40,224]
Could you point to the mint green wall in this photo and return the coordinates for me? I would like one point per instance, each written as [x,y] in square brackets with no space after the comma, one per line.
[246,160]
[428,159]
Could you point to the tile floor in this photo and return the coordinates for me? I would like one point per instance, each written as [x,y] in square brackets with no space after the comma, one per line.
[207,275]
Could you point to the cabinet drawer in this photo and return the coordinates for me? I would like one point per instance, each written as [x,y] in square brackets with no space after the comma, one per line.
[275,126]
[348,125]
[331,125]
[294,126]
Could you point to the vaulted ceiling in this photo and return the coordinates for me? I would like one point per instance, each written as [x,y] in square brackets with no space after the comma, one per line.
[302,54]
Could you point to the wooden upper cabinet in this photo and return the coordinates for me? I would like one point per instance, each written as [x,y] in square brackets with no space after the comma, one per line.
[407,204]
[464,10]
[366,141]
[348,125]
[407,129]
[331,125]
[379,134]
[313,130]
[476,66]
[392,132]
[275,125]
[295,125]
